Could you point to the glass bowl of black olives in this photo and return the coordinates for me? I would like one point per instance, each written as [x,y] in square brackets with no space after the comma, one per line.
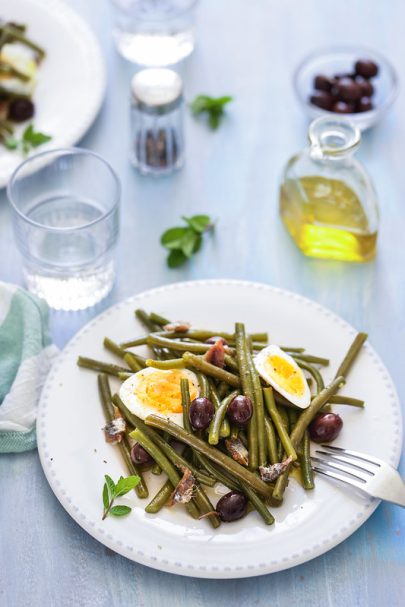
[351,81]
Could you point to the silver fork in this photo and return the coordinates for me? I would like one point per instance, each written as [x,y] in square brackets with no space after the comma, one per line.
[365,472]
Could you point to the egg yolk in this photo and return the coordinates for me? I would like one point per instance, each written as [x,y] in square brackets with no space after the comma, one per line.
[284,374]
[161,391]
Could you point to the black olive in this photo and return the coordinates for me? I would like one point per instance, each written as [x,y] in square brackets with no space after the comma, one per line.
[21,110]
[201,413]
[325,427]
[232,506]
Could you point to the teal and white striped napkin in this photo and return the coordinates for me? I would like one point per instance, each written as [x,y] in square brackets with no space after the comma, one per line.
[26,355]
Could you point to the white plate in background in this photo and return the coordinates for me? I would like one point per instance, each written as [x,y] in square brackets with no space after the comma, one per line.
[71,79]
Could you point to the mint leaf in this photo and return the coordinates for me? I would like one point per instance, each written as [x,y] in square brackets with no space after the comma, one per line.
[188,242]
[111,486]
[199,223]
[11,143]
[120,510]
[176,258]
[212,106]
[34,139]
[125,485]
[172,238]
[106,499]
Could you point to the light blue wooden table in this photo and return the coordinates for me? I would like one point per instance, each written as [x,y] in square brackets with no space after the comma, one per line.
[249,50]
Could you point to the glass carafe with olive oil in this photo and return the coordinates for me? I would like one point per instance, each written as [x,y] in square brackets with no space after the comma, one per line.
[327,200]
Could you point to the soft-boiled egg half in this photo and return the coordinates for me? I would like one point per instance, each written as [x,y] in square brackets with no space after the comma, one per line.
[157,392]
[278,369]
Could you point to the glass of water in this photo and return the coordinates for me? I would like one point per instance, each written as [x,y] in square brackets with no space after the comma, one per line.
[65,217]
[154,33]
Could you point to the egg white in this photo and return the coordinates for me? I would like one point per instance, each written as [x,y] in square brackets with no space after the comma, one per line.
[22,58]
[129,396]
[302,401]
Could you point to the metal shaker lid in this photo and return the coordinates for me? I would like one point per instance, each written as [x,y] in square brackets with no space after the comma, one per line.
[157,90]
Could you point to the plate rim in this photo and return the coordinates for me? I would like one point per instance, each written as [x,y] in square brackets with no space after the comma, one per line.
[97,68]
[176,567]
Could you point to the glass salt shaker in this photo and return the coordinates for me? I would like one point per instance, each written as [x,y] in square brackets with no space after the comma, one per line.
[327,199]
[157,140]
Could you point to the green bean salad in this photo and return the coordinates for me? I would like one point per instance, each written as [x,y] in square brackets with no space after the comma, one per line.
[211,409]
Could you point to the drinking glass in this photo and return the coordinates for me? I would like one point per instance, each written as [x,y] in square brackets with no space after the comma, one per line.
[154,33]
[65,206]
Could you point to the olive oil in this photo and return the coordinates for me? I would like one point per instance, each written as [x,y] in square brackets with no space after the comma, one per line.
[326,219]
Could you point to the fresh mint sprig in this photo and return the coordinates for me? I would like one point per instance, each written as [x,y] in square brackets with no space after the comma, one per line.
[30,139]
[212,106]
[113,490]
[183,242]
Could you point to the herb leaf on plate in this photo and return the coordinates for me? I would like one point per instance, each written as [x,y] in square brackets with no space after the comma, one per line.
[113,490]
[30,140]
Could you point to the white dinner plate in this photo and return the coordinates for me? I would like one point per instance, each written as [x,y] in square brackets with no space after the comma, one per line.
[75,456]
[71,79]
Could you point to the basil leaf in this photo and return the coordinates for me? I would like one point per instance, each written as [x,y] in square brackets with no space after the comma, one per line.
[120,510]
[125,485]
[172,238]
[111,486]
[176,258]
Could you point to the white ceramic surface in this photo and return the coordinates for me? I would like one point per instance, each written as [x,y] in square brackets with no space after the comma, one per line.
[75,456]
[71,79]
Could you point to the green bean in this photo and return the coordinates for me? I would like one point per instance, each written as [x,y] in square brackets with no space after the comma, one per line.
[13,33]
[171,363]
[292,415]
[144,319]
[160,499]
[234,432]
[124,446]
[305,462]
[185,401]
[248,390]
[309,358]
[156,339]
[212,453]
[231,363]
[174,477]
[101,367]
[10,70]
[204,385]
[207,368]
[203,335]
[180,462]
[124,375]
[113,347]
[159,320]
[351,355]
[302,424]
[205,506]
[271,441]
[216,424]
[225,428]
[259,409]
[132,363]
[222,389]
[260,346]
[133,343]
[156,470]
[139,359]
[314,372]
[277,421]
[346,400]
[258,504]
[222,477]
